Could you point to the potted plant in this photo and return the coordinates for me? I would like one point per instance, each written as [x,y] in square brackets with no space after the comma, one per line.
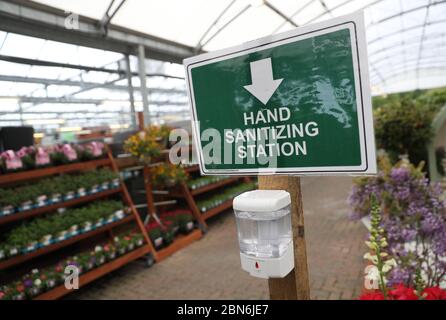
[167,175]
[87,226]
[143,146]
[100,255]
[46,240]
[185,222]
[121,245]
[110,252]
[11,161]
[6,207]
[3,251]
[155,234]
[138,239]
[49,279]
[41,157]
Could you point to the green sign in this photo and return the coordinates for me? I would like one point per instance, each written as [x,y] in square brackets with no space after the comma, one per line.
[298,102]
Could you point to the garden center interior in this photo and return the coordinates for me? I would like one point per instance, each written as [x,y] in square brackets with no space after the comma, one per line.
[90,92]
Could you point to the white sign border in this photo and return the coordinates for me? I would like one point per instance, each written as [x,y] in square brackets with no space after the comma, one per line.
[355,23]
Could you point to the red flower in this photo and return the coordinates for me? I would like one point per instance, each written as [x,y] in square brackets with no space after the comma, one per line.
[372,296]
[434,293]
[402,293]
[20,288]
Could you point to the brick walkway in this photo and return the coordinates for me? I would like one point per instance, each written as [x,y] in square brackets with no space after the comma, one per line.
[210,268]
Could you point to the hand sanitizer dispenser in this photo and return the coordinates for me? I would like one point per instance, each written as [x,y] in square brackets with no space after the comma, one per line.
[264,232]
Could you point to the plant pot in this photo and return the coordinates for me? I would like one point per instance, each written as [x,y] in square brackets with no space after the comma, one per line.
[158,242]
[94,189]
[110,218]
[46,240]
[6,210]
[81,192]
[19,296]
[13,251]
[34,291]
[99,223]
[119,214]
[189,226]
[69,196]
[111,255]
[115,183]
[27,205]
[73,230]
[105,186]
[87,226]
[41,201]
[30,247]
[90,264]
[100,260]
[50,283]
[62,235]
[56,198]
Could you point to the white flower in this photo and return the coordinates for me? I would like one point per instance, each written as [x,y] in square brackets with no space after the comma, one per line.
[371,245]
[37,282]
[34,271]
[98,249]
[371,258]
[388,265]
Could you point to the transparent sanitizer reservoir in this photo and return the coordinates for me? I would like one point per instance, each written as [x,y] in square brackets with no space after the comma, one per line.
[264,232]
[264,235]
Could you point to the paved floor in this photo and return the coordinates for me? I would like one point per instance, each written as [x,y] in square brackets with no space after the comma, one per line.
[210,268]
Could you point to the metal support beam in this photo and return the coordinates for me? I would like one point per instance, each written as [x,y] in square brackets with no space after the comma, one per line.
[38,20]
[142,78]
[85,85]
[130,87]
[85,101]
[281,14]
[35,62]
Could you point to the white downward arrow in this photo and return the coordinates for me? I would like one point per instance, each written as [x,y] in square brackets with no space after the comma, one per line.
[263,85]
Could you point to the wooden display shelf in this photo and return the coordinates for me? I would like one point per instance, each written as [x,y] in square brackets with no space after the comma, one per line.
[179,242]
[61,244]
[96,273]
[206,188]
[213,186]
[216,210]
[44,172]
[38,211]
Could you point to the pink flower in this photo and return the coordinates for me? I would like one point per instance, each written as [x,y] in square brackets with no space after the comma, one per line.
[42,157]
[22,152]
[12,161]
[95,148]
[69,152]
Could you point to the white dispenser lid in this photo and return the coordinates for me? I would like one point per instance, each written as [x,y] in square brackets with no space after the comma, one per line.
[262,200]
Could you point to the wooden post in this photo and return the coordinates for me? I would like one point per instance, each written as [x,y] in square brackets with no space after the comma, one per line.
[296,284]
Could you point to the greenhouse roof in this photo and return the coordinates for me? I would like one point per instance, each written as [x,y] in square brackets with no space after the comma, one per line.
[406,39]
